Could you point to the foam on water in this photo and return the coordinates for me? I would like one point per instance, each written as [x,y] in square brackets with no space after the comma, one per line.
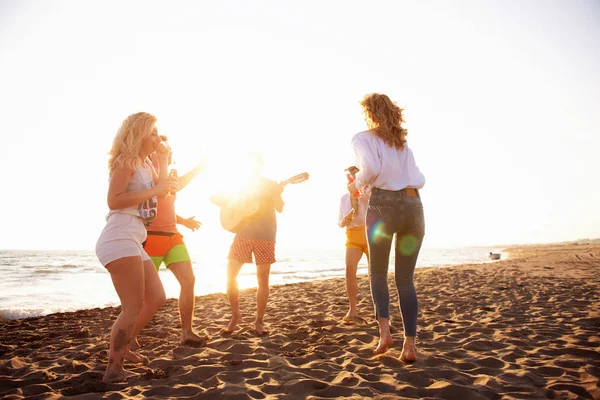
[37,283]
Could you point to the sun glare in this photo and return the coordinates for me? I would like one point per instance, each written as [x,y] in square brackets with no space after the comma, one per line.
[234,179]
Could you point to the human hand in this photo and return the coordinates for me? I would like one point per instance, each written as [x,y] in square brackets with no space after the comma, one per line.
[191,223]
[348,218]
[167,186]
[163,150]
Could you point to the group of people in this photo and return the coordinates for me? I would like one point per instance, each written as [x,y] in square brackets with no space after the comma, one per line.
[140,234]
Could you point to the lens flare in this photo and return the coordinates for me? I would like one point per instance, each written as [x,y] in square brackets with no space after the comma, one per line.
[377,233]
[408,244]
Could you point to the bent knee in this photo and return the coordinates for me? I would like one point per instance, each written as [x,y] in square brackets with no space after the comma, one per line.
[232,286]
[157,300]
[351,269]
[405,285]
[189,282]
[263,283]
[132,309]
[161,299]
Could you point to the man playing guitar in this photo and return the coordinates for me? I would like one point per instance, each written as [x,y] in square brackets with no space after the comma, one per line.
[256,235]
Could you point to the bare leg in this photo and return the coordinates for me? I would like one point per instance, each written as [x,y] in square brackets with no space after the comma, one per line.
[127,274]
[185,276]
[353,257]
[262,296]
[134,345]
[233,269]
[136,358]
[154,297]
[385,337]
[409,350]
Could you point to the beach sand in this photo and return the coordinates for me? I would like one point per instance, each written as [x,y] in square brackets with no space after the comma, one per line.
[525,327]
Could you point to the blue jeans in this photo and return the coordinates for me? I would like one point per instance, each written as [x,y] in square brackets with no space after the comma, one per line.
[389,213]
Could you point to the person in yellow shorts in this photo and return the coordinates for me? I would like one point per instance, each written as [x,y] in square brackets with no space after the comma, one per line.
[352,217]
[164,244]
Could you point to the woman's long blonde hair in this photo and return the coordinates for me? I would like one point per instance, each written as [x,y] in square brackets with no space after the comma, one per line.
[385,119]
[125,151]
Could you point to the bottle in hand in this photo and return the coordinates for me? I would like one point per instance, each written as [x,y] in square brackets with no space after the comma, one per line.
[173,174]
[357,193]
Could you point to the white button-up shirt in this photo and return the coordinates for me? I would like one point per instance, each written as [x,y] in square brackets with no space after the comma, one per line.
[384,167]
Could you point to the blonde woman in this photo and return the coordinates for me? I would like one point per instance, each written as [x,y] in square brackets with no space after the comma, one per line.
[132,199]
[389,172]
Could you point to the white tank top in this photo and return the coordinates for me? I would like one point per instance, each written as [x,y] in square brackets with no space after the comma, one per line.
[140,180]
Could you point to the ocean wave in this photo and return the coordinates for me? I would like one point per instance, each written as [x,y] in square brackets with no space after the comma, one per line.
[44,282]
[18,314]
[319,271]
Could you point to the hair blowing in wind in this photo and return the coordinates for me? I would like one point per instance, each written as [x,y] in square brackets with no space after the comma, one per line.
[384,117]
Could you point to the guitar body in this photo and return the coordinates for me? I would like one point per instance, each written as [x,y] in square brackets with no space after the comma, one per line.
[234,217]
[234,214]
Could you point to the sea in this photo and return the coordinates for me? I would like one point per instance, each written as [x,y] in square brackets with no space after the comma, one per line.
[41,282]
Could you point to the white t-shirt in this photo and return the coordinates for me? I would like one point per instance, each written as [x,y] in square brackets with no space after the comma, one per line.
[384,167]
[346,207]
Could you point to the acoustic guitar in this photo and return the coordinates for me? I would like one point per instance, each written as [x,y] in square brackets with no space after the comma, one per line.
[234,213]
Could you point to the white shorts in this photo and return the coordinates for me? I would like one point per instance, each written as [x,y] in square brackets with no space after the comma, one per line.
[122,236]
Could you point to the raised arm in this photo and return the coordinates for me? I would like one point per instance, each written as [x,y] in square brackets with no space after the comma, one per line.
[185,179]
[160,158]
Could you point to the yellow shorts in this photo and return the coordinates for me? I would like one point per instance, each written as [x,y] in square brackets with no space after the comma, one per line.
[356,238]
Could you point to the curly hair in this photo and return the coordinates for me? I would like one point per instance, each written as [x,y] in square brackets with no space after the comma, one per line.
[125,150]
[384,117]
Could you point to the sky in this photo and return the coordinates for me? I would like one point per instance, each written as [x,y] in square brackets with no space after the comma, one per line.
[501,101]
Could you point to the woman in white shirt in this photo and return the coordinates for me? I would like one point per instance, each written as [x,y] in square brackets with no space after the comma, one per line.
[389,172]
[133,189]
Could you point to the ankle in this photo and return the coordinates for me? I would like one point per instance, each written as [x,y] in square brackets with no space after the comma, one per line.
[113,369]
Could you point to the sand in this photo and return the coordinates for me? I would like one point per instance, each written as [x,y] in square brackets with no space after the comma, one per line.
[525,327]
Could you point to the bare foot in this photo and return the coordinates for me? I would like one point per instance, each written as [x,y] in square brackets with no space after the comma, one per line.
[259,329]
[136,358]
[235,320]
[384,343]
[409,353]
[191,339]
[351,314]
[353,320]
[117,376]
